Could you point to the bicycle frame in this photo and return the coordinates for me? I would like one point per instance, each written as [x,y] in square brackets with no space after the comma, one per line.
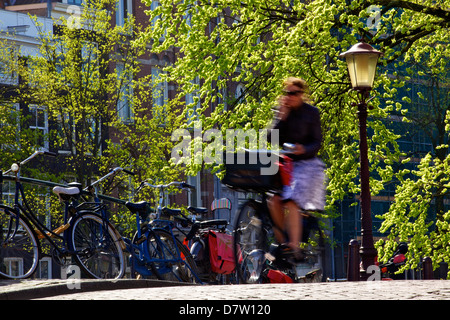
[100,240]
[92,189]
[143,256]
[28,213]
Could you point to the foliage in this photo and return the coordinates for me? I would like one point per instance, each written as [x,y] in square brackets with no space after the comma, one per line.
[83,77]
[255,44]
[258,44]
[419,214]
[75,78]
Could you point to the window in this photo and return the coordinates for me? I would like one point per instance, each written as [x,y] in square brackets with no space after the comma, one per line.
[94,135]
[8,62]
[153,6]
[65,129]
[123,11]
[195,198]
[8,192]
[76,2]
[125,99]
[239,95]
[160,93]
[39,123]
[9,126]
[14,266]
[45,268]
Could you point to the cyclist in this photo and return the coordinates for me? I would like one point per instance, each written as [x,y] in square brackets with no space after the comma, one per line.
[298,123]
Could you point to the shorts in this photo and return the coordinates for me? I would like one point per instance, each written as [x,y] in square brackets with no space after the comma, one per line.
[307,186]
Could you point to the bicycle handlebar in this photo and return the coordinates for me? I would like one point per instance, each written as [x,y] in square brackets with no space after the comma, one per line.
[131,173]
[181,185]
[109,174]
[15,167]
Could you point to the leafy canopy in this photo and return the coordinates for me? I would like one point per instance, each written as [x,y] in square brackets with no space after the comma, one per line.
[259,43]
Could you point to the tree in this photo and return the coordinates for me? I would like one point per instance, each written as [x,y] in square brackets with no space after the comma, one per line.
[419,214]
[257,44]
[87,82]
[82,75]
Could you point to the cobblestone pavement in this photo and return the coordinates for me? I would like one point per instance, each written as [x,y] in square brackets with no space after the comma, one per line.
[154,290]
[329,299]
[35,289]
[379,290]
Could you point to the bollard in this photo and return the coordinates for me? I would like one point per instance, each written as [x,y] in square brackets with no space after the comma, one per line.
[427,268]
[353,261]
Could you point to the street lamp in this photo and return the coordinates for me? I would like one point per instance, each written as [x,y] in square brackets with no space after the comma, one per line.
[362,62]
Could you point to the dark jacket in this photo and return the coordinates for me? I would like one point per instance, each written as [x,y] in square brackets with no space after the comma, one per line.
[301,126]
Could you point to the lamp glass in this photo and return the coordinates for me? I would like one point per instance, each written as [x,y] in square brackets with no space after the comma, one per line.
[362,68]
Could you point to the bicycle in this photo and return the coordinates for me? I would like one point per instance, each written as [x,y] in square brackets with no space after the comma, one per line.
[99,253]
[209,242]
[21,234]
[256,253]
[155,250]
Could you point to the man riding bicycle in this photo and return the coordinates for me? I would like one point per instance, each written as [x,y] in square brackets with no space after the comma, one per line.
[298,123]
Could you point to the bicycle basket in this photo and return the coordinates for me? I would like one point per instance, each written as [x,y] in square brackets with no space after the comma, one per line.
[243,173]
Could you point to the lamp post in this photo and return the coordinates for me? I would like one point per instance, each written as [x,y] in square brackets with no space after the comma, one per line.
[362,62]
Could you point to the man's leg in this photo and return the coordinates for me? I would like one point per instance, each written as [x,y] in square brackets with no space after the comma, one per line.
[276,208]
[294,223]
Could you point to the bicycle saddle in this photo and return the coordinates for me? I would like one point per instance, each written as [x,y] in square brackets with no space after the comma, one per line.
[171,212]
[136,206]
[212,223]
[197,210]
[65,193]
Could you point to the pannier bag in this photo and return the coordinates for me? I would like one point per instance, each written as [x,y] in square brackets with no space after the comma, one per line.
[221,252]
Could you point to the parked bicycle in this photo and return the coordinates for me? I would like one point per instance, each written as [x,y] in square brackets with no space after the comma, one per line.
[258,257]
[155,249]
[210,244]
[21,232]
[98,244]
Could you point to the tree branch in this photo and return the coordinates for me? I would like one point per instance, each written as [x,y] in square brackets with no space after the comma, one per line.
[436,12]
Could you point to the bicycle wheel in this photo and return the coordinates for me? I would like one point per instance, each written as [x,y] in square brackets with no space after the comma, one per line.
[20,250]
[172,259]
[250,241]
[96,247]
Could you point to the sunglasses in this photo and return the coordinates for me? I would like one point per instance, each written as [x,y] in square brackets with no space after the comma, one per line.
[292,93]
